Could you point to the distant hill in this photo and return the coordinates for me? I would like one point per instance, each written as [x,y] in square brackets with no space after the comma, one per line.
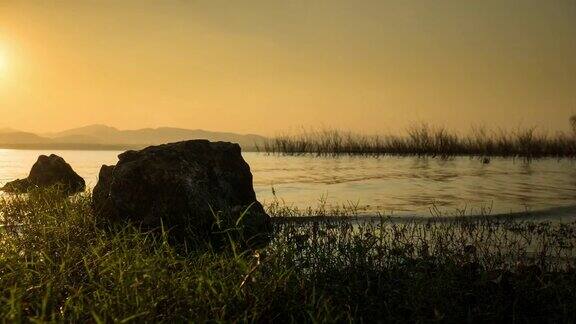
[8,130]
[93,131]
[103,137]
[17,137]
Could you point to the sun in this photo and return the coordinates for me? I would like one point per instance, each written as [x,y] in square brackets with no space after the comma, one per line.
[3,62]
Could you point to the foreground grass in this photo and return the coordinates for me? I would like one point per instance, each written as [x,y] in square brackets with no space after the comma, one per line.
[57,264]
[426,140]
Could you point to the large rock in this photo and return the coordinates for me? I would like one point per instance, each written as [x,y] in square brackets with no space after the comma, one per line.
[49,171]
[184,187]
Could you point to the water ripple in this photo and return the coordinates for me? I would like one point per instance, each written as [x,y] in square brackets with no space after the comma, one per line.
[403,186]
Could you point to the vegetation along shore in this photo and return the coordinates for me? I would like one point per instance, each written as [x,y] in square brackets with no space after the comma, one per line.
[58,263]
[424,139]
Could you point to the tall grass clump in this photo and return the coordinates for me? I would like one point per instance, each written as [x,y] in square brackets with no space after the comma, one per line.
[58,265]
[426,140]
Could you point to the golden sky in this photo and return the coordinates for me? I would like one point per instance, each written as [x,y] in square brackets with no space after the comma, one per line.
[266,66]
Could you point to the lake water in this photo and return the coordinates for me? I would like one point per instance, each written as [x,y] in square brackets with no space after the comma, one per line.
[390,185]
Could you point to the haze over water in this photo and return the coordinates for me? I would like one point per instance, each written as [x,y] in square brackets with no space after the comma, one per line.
[391,185]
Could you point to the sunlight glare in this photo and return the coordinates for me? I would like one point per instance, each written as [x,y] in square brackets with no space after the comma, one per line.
[3,62]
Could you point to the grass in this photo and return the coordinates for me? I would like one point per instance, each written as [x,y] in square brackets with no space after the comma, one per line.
[57,264]
[426,140]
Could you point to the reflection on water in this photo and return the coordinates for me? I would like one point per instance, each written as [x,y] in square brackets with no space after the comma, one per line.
[398,185]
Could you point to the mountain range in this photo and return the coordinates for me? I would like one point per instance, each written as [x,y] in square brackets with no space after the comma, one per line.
[106,137]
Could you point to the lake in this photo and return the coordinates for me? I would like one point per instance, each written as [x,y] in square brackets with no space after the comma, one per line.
[390,185]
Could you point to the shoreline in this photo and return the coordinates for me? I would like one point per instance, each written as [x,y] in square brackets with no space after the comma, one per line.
[559,214]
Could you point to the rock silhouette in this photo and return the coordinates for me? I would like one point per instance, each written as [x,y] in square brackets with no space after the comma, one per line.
[189,188]
[49,171]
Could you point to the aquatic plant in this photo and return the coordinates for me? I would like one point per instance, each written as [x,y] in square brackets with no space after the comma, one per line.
[57,264]
[426,140]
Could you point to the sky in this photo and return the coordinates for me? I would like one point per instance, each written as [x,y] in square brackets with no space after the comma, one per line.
[270,66]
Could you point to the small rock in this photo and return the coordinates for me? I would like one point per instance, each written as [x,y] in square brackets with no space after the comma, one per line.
[49,171]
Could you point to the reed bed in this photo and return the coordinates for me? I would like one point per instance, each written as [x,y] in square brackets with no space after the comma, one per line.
[58,265]
[426,140]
